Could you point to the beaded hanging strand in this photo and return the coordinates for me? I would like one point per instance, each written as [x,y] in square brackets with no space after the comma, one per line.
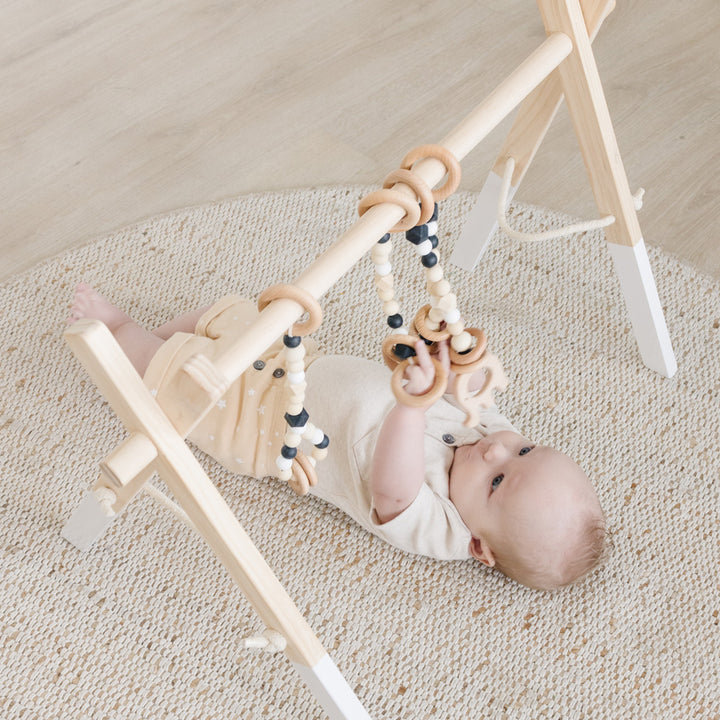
[293,465]
[467,345]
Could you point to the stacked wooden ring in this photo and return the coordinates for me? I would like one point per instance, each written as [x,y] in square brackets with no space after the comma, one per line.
[293,465]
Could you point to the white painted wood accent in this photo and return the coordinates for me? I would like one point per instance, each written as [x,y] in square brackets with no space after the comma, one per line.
[86,524]
[480,224]
[641,298]
[332,691]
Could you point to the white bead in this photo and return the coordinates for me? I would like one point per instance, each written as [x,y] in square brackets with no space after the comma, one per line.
[295,377]
[283,463]
[452,316]
[383,269]
[424,247]
[300,430]
[317,436]
[402,331]
[392,307]
[461,342]
[432,227]
[295,366]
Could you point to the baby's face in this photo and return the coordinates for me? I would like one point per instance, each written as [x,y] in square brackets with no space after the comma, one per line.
[508,489]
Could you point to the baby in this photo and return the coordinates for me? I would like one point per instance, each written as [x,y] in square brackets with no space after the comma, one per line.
[416,477]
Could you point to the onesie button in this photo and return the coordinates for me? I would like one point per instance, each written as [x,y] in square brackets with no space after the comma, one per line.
[448,438]
[258,364]
[278,373]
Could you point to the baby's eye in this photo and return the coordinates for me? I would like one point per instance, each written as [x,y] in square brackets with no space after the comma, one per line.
[496,482]
[525,451]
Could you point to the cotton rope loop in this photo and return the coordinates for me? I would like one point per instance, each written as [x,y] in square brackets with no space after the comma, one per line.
[452,167]
[300,296]
[395,197]
[420,188]
[571,229]
[428,398]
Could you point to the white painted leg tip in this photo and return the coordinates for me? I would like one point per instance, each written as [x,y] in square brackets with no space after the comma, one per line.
[86,524]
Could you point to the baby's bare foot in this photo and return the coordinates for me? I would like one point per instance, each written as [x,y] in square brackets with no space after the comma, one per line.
[90,304]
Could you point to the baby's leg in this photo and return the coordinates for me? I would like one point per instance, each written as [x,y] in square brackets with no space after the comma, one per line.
[137,343]
[183,323]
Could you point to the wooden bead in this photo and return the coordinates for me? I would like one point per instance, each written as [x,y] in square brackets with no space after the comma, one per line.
[386,294]
[434,273]
[285,475]
[385,281]
[391,307]
[319,453]
[441,288]
[455,328]
[448,302]
[296,353]
[295,409]
[461,342]
[436,315]
[292,439]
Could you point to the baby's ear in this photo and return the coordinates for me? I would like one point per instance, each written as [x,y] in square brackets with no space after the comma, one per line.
[481,551]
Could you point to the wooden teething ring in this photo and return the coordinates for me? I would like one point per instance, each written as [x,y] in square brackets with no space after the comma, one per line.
[412,209]
[304,475]
[419,187]
[300,296]
[461,361]
[427,398]
[422,329]
[452,167]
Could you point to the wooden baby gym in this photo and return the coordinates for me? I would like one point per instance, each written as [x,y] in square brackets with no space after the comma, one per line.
[562,66]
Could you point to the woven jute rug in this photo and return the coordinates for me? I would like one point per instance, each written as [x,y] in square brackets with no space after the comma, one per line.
[148,625]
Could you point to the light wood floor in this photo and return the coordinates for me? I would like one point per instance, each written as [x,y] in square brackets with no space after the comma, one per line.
[114,111]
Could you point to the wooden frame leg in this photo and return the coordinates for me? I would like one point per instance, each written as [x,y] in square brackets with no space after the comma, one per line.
[522,142]
[124,389]
[591,119]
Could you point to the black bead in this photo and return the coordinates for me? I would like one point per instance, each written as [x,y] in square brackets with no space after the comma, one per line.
[395,321]
[384,238]
[417,234]
[403,352]
[429,260]
[288,452]
[297,420]
[434,240]
[292,341]
[435,213]
[323,443]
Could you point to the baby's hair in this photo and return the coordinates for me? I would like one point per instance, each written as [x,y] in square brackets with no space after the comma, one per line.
[574,564]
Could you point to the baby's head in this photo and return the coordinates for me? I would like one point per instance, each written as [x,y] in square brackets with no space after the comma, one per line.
[532,512]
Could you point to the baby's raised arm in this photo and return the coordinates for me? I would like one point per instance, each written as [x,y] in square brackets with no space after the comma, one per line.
[398,467]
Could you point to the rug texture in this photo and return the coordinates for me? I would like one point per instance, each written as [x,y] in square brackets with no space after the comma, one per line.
[148,625]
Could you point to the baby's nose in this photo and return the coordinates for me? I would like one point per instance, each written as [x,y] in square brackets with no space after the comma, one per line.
[495,451]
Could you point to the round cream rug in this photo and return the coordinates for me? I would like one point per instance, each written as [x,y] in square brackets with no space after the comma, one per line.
[147,625]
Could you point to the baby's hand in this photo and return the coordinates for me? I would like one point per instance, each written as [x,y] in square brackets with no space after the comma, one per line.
[421,374]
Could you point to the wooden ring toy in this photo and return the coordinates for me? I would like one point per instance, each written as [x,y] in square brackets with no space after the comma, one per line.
[412,209]
[424,331]
[389,343]
[459,359]
[427,398]
[300,296]
[419,187]
[452,167]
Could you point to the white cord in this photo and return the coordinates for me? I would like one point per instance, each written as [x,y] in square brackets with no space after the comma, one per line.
[548,234]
